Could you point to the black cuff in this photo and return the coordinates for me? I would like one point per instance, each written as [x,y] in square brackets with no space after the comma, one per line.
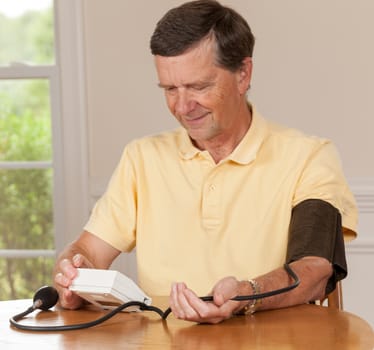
[316,230]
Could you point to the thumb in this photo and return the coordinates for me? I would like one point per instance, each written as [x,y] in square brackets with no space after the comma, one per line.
[80,260]
[224,290]
[219,298]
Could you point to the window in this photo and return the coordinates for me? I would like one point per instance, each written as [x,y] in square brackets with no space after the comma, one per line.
[28,146]
[43,152]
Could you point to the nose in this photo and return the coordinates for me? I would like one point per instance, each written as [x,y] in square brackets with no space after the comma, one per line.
[184,103]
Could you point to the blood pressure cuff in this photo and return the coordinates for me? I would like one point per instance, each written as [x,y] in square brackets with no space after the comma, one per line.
[316,230]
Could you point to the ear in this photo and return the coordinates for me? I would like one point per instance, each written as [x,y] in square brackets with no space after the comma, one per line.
[245,75]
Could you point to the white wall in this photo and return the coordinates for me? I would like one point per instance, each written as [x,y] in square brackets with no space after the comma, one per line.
[313,69]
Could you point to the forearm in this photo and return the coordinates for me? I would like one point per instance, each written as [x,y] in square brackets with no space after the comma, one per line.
[97,253]
[313,273]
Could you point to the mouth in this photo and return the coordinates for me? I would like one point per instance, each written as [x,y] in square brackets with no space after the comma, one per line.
[195,121]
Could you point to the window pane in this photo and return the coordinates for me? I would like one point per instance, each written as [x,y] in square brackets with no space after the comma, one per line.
[26,219]
[26,222]
[20,278]
[25,121]
[26,33]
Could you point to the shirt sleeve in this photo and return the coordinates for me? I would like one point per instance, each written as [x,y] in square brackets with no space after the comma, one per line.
[113,217]
[322,178]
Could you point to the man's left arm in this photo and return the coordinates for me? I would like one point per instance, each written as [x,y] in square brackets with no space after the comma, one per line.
[315,253]
[313,272]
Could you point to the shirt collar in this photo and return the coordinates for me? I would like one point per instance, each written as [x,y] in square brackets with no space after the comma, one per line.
[246,150]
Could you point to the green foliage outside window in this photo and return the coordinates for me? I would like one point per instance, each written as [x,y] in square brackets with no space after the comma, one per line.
[28,38]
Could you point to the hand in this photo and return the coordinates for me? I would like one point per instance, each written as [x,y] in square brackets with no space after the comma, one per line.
[186,305]
[66,272]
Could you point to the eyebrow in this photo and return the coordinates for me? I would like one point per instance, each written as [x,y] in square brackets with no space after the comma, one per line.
[196,83]
[208,79]
[163,86]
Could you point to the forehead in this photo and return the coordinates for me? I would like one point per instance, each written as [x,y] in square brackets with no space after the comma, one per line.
[195,64]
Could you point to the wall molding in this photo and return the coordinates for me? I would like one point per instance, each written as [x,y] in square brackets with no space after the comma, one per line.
[361,247]
[363,190]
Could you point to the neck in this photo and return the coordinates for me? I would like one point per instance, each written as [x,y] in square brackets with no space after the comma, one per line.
[221,146]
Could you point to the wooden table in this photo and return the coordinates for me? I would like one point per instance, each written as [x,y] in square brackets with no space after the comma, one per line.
[302,327]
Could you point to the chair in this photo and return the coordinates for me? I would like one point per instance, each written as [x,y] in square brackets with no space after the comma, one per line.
[335,298]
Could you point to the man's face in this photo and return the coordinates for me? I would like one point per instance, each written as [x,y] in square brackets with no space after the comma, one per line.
[206,99]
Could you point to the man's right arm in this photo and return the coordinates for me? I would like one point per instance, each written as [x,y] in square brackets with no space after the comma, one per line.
[88,251]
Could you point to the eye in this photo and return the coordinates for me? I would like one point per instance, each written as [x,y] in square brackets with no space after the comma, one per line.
[170,89]
[200,87]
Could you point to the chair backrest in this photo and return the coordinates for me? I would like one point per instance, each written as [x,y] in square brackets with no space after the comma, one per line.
[335,298]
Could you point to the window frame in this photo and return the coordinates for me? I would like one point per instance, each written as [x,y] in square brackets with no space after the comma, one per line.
[73,208]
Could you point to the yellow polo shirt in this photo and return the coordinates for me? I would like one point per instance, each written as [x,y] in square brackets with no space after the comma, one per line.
[196,221]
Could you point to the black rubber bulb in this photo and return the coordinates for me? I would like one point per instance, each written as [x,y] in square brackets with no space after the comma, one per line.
[45,297]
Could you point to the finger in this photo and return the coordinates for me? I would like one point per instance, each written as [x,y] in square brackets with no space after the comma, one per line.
[67,298]
[210,312]
[68,269]
[225,303]
[62,280]
[185,304]
[179,304]
[70,300]
[173,300]
[225,289]
[185,296]
[229,309]
[175,304]
[227,306]
[80,260]
[205,310]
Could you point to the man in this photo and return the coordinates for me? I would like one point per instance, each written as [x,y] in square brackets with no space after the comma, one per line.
[224,201]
